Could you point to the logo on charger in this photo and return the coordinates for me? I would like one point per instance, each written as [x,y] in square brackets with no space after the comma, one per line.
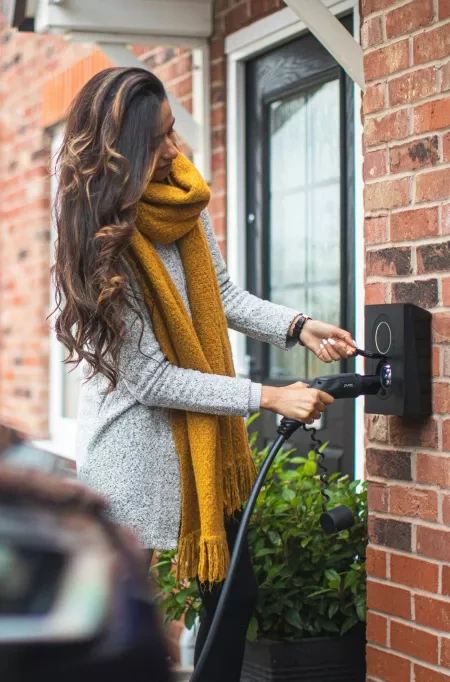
[349,385]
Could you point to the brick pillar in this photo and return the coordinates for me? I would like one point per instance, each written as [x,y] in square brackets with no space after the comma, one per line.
[406,112]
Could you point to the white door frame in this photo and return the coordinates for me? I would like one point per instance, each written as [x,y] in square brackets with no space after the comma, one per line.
[241,46]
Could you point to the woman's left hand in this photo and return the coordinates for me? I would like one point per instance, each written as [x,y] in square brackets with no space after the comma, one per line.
[327,341]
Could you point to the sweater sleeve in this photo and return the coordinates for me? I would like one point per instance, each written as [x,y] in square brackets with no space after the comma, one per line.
[155,382]
[245,312]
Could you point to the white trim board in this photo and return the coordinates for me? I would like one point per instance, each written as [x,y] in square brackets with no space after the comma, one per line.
[62,430]
[247,43]
[329,31]
[359,264]
[274,29]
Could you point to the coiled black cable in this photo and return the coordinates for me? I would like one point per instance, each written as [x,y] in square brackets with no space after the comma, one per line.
[320,463]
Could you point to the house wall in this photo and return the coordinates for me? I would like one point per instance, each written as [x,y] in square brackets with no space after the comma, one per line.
[406,113]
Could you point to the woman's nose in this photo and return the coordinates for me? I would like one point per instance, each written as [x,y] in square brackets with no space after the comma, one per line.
[171,150]
[173,153]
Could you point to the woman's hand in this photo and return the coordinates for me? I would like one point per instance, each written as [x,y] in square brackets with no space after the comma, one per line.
[296,401]
[327,341]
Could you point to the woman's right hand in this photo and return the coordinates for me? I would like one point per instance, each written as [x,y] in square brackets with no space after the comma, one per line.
[296,401]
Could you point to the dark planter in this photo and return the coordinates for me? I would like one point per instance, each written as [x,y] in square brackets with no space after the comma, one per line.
[319,659]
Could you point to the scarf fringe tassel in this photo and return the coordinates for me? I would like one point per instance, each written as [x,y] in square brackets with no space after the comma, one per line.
[237,485]
[208,558]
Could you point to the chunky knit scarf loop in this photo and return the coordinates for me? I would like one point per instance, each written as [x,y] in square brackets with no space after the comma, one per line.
[217,470]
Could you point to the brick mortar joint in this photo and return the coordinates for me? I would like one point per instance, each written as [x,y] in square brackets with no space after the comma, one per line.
[407,279]
[389,146]
[422,30]
[386,10]
[411,623]
[393,552]
[383,212]
[411,174]
[414,591]
[401,142]
[410,105]
[410,69]
[387,213]
[410,520]
[407,485]
[408,657]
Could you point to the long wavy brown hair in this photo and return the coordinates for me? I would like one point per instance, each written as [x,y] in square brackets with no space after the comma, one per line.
[112,132]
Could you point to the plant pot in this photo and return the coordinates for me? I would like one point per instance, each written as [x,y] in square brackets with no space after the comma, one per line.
[318,659]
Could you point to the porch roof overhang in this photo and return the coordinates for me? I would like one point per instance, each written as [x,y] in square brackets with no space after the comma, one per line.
[114,25]
[180,22]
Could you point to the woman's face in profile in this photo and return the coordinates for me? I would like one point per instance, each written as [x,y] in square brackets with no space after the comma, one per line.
[167,151]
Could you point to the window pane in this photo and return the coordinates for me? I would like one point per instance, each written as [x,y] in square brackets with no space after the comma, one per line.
[305,225]
[71,391]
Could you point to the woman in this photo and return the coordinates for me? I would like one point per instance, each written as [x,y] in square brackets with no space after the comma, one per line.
[144,303]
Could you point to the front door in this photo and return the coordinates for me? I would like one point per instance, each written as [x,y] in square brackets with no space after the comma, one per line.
[300,221]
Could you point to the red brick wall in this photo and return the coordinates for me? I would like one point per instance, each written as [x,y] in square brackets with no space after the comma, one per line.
[406,112]
[25,62]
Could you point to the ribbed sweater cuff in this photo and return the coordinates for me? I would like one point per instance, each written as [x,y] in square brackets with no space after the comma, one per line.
[254,404]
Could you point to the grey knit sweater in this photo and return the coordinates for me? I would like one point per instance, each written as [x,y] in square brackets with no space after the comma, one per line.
[125,448]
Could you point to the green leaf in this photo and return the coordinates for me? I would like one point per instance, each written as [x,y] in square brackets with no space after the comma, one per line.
[288,494]
[265,552]
[328,625]
[323,590]
[189,618]
[310,469]
[332,576]
[289,475]
[181,597]
[274,537]
[333,609]
[252,631]
[293,618]
[252,419]
[348,625]
[361,612]
[274,570]
[351,578]
[192,590]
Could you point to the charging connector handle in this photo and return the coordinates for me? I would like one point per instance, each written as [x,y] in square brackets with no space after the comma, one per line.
[347,385]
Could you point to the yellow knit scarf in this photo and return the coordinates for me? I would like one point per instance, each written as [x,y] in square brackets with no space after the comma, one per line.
[217,470]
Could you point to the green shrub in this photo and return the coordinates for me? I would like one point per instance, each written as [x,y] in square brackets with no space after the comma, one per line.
[310,583]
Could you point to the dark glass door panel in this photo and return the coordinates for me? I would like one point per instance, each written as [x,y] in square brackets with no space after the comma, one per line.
[300,207]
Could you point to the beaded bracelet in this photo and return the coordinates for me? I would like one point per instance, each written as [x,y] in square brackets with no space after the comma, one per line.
[298,327]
